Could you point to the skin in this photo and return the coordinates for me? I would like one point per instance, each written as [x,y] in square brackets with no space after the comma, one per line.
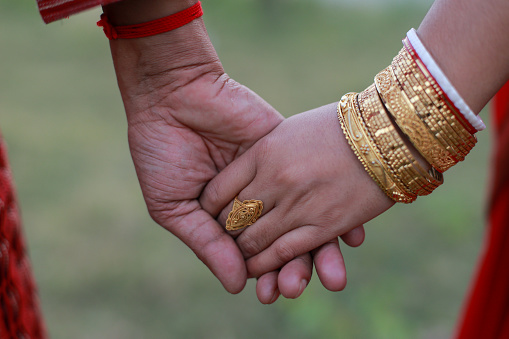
[310,181]
[187,120]
[313,189]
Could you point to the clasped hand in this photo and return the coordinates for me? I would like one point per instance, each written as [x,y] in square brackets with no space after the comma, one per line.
[190,125]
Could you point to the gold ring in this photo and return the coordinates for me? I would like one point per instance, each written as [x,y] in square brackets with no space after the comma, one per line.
[243,214]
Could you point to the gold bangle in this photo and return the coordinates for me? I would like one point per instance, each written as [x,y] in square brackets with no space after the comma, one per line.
[438,90]
[432,146]
[425,107]
[435,110]
[416,88]
[367,152]
[417,82]
[392,146]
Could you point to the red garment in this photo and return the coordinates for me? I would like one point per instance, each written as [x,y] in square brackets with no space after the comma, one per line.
[20,315]
[486,314]
[19,307]
[52,10]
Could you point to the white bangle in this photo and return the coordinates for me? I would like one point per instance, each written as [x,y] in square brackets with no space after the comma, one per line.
[443,82]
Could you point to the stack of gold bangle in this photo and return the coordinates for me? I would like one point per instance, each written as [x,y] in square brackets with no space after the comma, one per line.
[405,102]
[367,151]
[415,178]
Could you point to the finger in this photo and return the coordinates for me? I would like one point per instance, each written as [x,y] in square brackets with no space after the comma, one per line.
[354,237]
[227,184]
[284,249]
[330,265]
[214,247]
[267,288]
[257,192]
[257,237]
[295,276]
[257,189]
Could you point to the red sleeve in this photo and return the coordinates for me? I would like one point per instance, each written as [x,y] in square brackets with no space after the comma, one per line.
[52,10]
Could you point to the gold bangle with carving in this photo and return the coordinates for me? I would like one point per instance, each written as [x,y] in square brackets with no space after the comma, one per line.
[393,148]
[438,111]
[438,90]
[416,88]
[432,146]
[437,105]
[367,152]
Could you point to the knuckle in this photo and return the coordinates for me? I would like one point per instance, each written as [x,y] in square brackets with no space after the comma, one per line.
[212,195]
[285,177]
[295,178]
[249,245]
[284,253]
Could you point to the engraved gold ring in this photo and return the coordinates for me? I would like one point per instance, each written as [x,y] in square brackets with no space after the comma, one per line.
[243,214]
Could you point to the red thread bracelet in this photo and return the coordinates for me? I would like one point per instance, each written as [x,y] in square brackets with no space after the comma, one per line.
[153,27]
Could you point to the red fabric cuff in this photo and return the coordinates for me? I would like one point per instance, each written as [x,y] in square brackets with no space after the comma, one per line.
[52,10]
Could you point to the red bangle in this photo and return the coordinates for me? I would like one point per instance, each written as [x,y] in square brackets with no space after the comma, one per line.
[153,27]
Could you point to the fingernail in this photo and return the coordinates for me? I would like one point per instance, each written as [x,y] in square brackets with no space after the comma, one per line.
[275,296]
[303,285]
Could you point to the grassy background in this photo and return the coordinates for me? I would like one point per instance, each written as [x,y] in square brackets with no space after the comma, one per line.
[105,270]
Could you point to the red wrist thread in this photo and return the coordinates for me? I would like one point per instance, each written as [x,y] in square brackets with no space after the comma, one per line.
[153,27]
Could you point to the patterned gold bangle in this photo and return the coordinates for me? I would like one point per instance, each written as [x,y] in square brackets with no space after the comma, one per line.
[436,103]
[459,117]
[434,106]
[381,131]
[439,109]
[432,146]
[367,152]
[425,107]
[392,146]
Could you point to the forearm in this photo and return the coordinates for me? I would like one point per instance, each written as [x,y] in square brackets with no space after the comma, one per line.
[469,39]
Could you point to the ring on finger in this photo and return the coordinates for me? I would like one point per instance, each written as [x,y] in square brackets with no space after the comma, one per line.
[243,214]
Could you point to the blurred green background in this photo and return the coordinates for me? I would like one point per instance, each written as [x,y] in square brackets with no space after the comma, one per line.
[105,270]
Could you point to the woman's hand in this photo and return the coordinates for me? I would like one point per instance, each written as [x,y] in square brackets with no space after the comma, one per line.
[312,186]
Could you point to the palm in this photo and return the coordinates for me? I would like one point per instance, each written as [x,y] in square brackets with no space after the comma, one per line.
[177,147]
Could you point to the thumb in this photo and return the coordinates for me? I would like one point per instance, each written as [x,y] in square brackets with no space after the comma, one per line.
[227,184]
[212,245]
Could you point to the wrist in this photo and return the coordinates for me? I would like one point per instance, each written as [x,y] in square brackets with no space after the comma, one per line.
[167,60]
[130,12]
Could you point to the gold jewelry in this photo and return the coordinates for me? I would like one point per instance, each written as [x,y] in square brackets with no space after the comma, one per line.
[433,147]
[393,148]
[432,105]
[458,115]
[406,104]
[367,152]
[432,108]
[243,214]
[416,89]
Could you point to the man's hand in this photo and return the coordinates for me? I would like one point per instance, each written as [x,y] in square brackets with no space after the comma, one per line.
[187,121]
